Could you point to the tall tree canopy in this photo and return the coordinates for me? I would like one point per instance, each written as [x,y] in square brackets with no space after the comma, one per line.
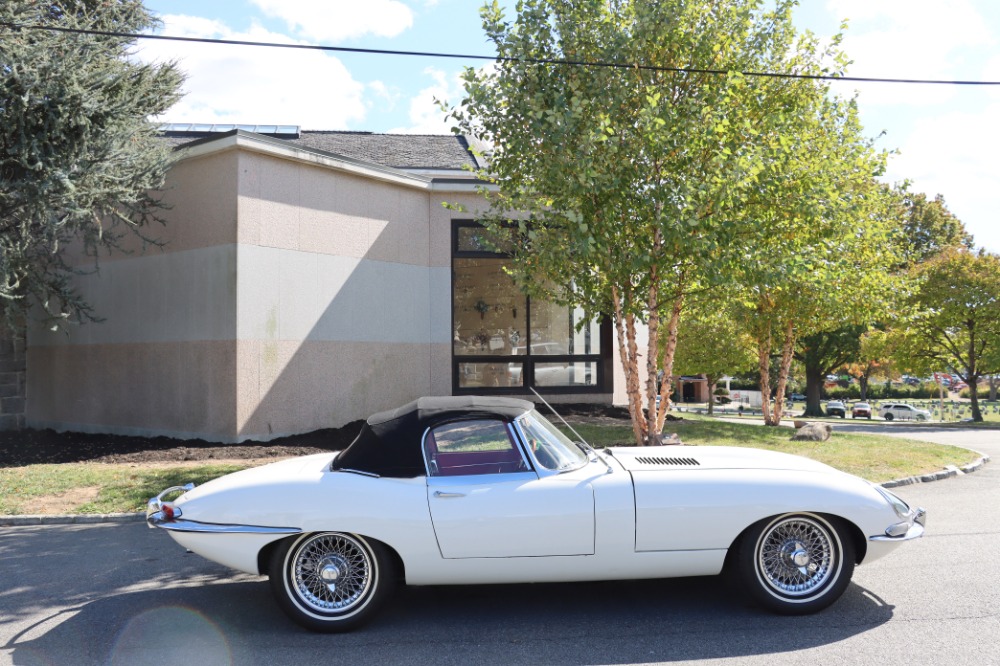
[640,180]
[823,352]
[928,228]
[80,158]
[711,343]
[955,318]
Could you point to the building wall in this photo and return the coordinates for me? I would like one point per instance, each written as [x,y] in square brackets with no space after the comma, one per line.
[168,312]
[291,295]
[343,296]
[12,379]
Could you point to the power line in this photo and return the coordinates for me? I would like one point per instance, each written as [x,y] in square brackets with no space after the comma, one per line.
[466,56]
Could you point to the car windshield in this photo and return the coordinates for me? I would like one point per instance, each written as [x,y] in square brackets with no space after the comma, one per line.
[550,448]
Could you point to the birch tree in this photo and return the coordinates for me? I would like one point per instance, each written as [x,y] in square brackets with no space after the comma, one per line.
[632,166]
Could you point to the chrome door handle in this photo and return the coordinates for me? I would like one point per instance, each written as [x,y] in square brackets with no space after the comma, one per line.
[440,493]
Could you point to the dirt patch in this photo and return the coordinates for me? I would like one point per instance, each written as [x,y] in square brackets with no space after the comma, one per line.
[61,502]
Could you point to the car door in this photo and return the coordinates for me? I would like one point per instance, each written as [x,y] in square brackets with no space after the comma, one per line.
[486,501]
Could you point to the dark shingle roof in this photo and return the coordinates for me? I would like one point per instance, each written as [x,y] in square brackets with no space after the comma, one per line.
[399,151]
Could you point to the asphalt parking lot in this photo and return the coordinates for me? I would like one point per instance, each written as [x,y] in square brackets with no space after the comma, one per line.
[124,594]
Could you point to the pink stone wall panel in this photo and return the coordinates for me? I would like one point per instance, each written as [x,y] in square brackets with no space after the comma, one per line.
[290,205]
[298,387]
[173,389]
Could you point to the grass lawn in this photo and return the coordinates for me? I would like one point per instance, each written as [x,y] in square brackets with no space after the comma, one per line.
[93,487]
[955,411]
[871,457]
[105,488]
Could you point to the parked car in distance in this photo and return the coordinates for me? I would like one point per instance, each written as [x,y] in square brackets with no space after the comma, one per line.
[836,408]
[797,397]
[481,490]
[861,409]
[903,412]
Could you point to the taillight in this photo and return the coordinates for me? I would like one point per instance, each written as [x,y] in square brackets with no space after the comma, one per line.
[168,511]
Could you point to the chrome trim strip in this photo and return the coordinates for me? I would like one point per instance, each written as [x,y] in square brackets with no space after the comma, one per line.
[182,525]
[356,471]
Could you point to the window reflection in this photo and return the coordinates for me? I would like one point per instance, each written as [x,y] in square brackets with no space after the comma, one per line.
[490,375]
[566,374]
[554,330]
[489,310]
[503,340]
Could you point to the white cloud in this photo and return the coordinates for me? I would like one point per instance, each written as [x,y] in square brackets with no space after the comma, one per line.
[425,116]
[912,39]
[337,20]
[954,154]
[256,85]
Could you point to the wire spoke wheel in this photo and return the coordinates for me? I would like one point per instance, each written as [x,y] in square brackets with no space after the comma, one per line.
[796,563]
[331,581]
[331,572]
[796,556]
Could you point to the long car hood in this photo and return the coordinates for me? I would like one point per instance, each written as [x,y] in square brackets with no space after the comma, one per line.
[662,458]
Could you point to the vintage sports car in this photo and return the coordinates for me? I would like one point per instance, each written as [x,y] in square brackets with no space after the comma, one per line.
[470,490]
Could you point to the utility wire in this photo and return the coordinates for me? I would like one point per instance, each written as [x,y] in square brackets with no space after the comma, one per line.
[538,61]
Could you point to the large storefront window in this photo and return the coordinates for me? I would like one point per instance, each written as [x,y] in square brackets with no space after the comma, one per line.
[505,342]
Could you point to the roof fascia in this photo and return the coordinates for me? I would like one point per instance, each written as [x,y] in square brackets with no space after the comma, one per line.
[241,139]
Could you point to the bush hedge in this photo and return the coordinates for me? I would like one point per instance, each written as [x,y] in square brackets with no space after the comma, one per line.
[882,392]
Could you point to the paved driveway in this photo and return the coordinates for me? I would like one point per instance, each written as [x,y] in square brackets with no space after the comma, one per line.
[986,441]
[123,594]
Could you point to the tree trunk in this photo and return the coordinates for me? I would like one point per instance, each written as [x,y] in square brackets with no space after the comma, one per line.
[629,353]
[787,352]
[977,415]
[973,379]
[814,387]
[652,354]
[711,379]
[668,359]
[764,367]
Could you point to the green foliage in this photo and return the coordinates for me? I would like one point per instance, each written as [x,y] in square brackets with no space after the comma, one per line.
[954,318]
[881,392]
[929,228]
[710,342]
[640,183]
[80,157]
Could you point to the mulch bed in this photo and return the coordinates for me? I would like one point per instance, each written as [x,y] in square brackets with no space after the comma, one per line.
[33,447]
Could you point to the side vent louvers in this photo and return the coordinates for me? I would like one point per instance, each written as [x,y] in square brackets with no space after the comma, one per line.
[656,460]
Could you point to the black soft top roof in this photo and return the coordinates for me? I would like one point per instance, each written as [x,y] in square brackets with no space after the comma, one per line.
[389,442]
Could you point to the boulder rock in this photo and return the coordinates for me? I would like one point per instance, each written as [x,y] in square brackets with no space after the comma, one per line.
[813,432]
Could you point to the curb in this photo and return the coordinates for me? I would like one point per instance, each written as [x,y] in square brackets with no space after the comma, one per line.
[946,473]
[70,519]
[90,519]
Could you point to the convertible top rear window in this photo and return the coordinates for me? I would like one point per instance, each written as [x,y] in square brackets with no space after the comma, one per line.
[389,444]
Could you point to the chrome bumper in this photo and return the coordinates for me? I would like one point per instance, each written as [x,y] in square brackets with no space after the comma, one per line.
[911,528]
[166,516]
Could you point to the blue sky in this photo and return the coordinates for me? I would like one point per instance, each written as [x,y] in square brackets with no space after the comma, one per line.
[948,138]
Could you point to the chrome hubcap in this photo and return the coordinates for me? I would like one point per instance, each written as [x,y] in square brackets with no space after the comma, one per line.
[796,556]
[330,570]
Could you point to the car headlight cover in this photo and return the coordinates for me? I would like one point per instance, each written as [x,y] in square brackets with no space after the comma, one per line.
[901,508]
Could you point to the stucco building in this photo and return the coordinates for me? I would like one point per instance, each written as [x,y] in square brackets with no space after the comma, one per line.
[308,279]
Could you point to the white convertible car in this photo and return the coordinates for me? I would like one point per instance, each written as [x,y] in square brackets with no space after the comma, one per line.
[465,490]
